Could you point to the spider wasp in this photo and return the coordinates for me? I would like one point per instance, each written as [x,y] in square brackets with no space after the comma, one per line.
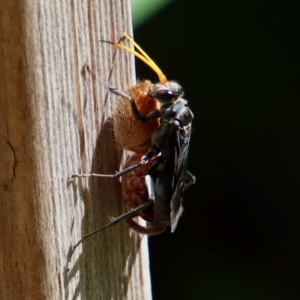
[153,121]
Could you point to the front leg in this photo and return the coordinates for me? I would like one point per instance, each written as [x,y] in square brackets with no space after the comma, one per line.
[143,161]
[154,114]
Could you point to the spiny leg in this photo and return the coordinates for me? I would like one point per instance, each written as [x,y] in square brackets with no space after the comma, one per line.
[130,214]
[153,151]
[143,161]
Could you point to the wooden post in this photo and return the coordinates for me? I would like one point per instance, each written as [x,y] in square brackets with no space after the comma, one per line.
[54,120]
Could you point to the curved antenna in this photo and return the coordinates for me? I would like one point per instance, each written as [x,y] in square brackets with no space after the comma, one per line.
[142,55]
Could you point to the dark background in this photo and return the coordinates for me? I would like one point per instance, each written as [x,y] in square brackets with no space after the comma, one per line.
[238,62]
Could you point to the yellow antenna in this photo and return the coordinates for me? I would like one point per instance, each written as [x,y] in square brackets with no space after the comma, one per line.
[142,55]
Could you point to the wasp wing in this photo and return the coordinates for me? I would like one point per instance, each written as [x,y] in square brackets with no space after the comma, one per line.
[180,175]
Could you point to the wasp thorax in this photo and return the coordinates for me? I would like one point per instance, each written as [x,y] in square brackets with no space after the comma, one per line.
[168,92]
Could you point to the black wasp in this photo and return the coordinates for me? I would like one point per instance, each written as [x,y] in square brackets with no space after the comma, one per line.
[160,122]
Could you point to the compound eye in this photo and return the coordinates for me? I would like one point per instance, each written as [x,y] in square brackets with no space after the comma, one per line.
[165,95]
[168,92]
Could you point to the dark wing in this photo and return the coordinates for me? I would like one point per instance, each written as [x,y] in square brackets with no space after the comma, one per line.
[180,176]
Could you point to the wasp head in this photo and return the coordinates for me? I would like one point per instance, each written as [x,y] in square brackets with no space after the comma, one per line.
[168,92]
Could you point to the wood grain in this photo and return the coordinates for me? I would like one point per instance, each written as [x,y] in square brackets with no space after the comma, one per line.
[54,121]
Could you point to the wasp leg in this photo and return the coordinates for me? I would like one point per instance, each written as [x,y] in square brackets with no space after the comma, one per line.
[151,197]
[191,180]
[143,161]
[154,114]
[130,214]
[154,150]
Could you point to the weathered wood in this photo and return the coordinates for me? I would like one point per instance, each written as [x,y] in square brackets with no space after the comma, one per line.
[54,120]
